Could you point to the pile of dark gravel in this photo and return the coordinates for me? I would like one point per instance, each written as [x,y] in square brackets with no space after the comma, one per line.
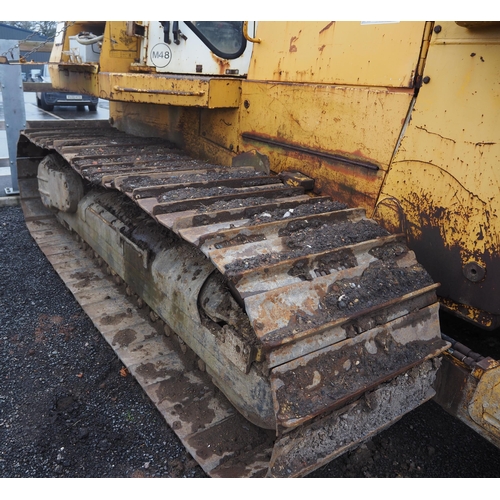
[66,410]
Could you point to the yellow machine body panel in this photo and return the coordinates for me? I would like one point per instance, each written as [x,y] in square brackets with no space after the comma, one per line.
[484,407]
[443,182]
[326,137]
[332,52]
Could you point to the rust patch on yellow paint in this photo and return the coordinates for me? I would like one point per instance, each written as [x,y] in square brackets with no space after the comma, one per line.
[293,48]
[453,238]
[223,64]
[486,320]
[345,177]
[328,26]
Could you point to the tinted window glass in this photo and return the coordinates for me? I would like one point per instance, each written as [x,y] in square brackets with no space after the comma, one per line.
[224,38]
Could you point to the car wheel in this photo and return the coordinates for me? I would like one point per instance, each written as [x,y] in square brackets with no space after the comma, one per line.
[45,105]
[92,107]
[80,108]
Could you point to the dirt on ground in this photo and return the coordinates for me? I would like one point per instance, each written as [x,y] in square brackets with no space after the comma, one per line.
[68,408]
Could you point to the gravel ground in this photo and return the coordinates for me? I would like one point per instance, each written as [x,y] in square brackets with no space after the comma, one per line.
[67,411]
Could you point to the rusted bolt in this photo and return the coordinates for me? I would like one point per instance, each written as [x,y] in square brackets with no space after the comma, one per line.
[201,365]
[474,272]
[246,103]
[437,29]
[153,316]
[426,79]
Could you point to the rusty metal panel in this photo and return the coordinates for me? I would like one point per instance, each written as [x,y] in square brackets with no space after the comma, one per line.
[484,407]
[334,136]
[374,54]
[176,90]
[442,186]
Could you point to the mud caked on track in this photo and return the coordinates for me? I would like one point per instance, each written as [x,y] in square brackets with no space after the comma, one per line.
[295,306]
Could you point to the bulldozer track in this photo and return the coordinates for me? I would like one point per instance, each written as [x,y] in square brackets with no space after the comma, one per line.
[319,282]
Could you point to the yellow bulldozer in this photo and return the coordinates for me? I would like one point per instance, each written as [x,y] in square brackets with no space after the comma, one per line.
[267,226]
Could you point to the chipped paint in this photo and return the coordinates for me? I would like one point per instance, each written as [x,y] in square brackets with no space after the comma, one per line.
[327,27]
[442,187]
[223,64]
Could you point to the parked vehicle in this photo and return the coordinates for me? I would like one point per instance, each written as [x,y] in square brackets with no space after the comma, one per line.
[47,100]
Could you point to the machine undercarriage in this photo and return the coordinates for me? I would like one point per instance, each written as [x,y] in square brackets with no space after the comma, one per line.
[317,325]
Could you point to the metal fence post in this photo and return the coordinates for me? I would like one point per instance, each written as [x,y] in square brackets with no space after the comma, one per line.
[13,105]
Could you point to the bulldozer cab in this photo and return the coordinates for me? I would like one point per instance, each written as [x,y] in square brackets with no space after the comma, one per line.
[196,47]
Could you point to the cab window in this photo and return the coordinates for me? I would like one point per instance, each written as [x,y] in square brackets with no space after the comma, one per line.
[223,38]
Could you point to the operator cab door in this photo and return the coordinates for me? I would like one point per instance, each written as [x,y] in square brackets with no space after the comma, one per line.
[197,47]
